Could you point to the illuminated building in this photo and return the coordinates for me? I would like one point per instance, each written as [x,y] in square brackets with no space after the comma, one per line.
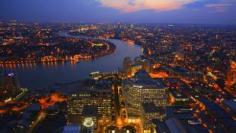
[140,64]
[145,63]
[146,97]
[124,118]
[153,112]
[230,82]
[88,105]
[9,87]
[134,69]
[176,97]
[142,89]
[95,75]
[127,63]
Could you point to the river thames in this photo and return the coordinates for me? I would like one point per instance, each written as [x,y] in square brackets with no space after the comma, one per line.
[43,76]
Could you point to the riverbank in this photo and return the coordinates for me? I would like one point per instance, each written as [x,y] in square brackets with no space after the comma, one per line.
[74,52]
[44,76]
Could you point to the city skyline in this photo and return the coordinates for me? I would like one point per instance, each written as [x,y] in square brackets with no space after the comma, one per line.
[117,66]
[127,11]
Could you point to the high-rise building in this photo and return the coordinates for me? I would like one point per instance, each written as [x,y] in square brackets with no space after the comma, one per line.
[142,89]
[124,118]
[146,97]
[127,63]
[146,64]
[9,87]
[86,107]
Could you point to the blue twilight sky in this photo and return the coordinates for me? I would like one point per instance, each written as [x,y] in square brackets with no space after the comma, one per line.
[131,11]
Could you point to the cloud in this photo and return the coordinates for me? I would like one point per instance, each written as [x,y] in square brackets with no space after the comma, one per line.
[222,5]
[137,5]
[218,7]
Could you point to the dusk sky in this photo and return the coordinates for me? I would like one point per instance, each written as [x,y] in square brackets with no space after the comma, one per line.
[130,11]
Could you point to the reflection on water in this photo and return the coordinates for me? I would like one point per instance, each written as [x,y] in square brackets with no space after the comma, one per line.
[39,76]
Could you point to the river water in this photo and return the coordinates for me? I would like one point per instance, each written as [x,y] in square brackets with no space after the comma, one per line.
[42,76]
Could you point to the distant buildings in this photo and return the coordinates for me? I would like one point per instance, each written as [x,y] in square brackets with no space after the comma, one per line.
[182,83]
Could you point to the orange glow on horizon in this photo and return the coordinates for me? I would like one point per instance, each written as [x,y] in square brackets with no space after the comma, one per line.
[137,5]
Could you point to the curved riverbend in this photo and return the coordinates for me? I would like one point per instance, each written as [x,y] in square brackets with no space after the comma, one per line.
[45,75]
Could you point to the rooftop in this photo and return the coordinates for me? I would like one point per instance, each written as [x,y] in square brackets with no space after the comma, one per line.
[142,78]
[90,110]
[151,108]
[175,126]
